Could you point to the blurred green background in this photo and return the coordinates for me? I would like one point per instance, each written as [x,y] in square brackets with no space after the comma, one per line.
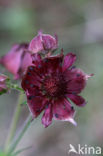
[79,26]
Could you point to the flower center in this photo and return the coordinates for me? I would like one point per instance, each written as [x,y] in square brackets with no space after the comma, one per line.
[54,86]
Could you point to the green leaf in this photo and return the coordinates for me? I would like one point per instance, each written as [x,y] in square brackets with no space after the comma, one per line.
[3,91]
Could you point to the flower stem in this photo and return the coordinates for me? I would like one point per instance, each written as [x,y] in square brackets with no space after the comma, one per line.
[21,133]
[14,122]
[10,85]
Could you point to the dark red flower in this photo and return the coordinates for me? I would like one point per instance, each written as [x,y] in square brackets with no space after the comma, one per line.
[48,85]
[3,86]
[17,59]
[43,43]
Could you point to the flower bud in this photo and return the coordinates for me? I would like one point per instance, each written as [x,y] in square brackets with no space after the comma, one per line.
[43,43]
[17,60]
[3,86]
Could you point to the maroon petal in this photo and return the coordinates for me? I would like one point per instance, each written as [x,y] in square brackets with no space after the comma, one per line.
[76,80]
[36,59]
[53,63]
[47,116]
[36,104]
[31,80]
[62,110]
[69,59]
[78,100]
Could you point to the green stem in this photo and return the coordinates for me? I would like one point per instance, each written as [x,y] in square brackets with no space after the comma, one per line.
[11,85]
[15,86]
[14,122]
[22,131]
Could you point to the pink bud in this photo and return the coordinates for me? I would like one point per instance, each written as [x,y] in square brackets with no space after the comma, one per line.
[17,59]
[3,79]
[43,43]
